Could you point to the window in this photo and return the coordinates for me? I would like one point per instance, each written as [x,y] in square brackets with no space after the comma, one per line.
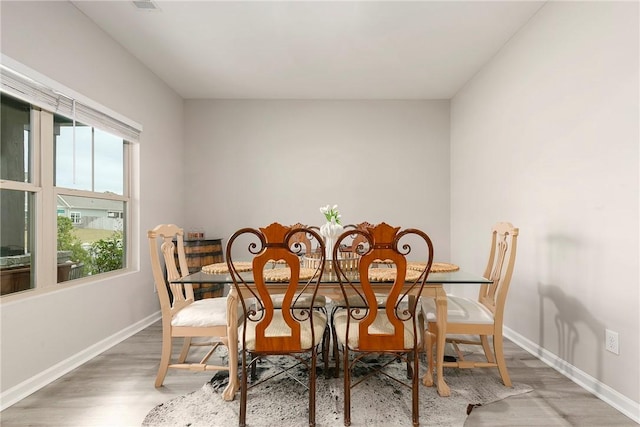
[94,162]
[76,217]
[17,252]
[87,158]
[17,197]
[65,159]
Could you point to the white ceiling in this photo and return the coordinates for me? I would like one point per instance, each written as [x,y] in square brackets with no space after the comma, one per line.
[313,50]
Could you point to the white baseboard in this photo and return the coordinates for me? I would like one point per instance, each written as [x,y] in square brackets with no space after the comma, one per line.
[605,393]
[35,383]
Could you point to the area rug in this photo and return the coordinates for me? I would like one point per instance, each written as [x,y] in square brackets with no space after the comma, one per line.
[378,401]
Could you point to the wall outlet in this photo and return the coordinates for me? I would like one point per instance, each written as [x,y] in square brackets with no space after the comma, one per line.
[611,342]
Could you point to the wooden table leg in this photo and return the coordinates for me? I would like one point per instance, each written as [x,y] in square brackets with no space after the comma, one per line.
[229,392]
[441,325]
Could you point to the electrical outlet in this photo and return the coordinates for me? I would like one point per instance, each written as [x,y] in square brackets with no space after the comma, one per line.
[611,342]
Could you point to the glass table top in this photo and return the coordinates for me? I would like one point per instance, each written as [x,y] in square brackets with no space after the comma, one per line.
[453,277]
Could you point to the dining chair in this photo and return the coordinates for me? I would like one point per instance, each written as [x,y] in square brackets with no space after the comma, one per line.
[302,238]
[472,322]
[295,328]
[356,245]
[351,249]
[182,317]
[389,326]
[302,245]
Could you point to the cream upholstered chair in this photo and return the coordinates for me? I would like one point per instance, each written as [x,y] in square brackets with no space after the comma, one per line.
[474,321]
[293,326]
[182,317]
[391,326]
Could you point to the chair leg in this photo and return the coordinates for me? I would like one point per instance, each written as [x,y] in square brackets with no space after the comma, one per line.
[415,384]
[326,342]
[336,357]
[242,418]
[336,351]
[253,363]
[186,345]
[347,386]
[487,349]
[165,357]
[312,390]
[502,366]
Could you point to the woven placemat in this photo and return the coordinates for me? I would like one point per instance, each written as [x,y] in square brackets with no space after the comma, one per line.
[388,274]
[284,274]
[436,267]
[222,268]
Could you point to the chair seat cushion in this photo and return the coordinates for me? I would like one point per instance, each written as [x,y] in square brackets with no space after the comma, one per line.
[459,310]
[279,328]
[381,325]
[203,313]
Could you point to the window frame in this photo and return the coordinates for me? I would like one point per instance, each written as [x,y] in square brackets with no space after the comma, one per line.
[41,164]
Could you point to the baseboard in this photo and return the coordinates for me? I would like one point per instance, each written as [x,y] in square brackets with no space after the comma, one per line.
[35,383]
[605,393]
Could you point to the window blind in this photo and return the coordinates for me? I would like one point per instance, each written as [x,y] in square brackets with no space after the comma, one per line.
[29,90]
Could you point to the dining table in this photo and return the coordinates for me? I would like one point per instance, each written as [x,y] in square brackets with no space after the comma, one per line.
[330,286]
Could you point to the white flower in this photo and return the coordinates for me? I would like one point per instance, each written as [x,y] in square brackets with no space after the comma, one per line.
[331,213]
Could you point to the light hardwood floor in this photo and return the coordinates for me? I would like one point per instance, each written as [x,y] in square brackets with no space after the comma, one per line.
[116,389]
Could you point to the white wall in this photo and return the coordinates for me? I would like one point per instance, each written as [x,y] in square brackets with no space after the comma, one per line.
[546,136]
[251,162]
[55,39]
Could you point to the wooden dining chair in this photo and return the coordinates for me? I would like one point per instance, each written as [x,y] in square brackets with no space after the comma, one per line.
[473,322]
[389,327]
[182,317]
[294,327]
[351,248]
[320,301]
[302,239]
[301,244]
[356,245]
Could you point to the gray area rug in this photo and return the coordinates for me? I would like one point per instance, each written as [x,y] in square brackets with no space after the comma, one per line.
[378,401]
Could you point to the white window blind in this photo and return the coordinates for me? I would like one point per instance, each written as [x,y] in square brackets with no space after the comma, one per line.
[29,90]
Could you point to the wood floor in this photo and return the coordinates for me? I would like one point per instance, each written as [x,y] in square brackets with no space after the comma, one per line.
[116,389]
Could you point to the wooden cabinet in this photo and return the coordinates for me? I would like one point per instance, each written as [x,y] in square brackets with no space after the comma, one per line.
[204,252]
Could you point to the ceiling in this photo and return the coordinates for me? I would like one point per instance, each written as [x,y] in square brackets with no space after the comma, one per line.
[313,49]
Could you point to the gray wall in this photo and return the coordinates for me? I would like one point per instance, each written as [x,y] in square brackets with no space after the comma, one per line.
[250,163]
[60,327]
[546,136]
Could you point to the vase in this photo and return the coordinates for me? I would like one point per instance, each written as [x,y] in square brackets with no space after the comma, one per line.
[330,231]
